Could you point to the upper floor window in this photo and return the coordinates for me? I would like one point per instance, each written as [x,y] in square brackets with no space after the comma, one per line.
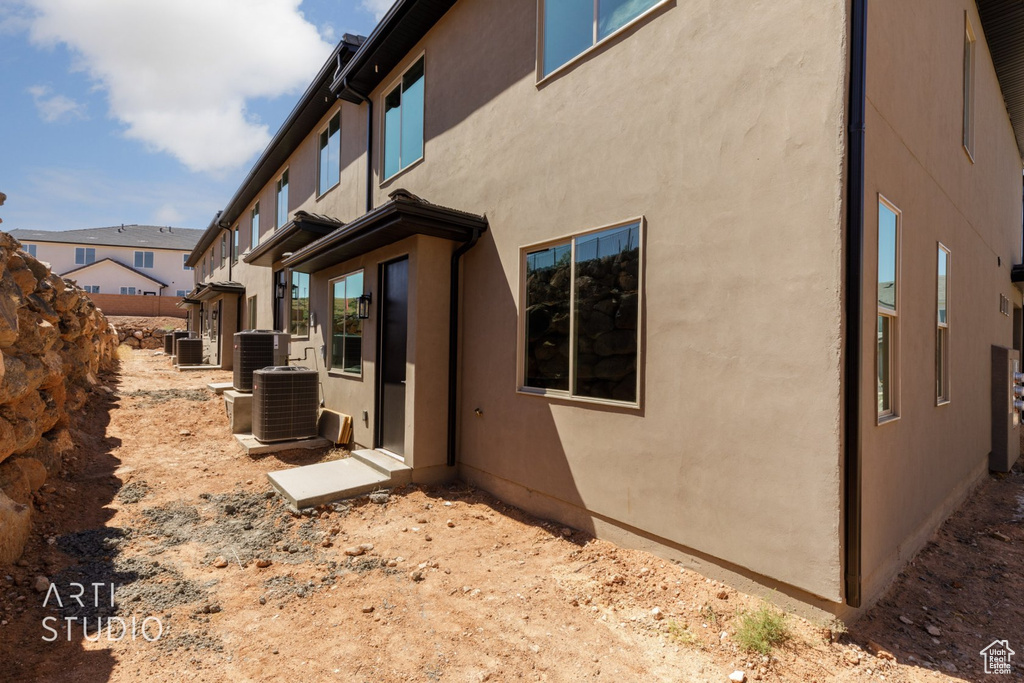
[143,259]
[571,27]
[202,269]
[330,155]
[184,263]
[181,293]
[84,255]
[299,319]
[234,246]
[581,315]
[887,358]
[969,45]
[254,225]
[91,289]
[128,290]
[282,200]
[403,121]
[223,249]
[30,249]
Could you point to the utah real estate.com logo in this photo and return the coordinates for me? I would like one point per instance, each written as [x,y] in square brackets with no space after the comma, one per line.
[997,657]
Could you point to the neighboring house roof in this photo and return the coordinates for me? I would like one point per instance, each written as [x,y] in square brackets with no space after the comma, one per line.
[142,236]
[116,263]
[1003,24]
[311,107]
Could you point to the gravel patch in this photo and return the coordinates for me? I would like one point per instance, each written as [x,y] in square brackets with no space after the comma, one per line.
[133,492]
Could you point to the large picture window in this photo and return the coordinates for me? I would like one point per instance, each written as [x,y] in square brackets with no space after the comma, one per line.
[299,319]
[942,328]
[581,316]
[330,155]
[887,357]
[403,121]
[571,27]
[346,326]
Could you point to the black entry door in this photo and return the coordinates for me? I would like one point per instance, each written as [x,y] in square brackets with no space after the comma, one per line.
[394,323]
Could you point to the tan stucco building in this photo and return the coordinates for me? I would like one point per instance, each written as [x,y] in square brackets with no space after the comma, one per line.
[627,267]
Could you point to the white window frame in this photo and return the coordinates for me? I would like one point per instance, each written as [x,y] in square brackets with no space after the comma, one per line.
[182,293]
[330,329]
[91,289]
[969,78]
[893,413]
[85,253]
[129,291]
[397,83]
[524,251]
[30,249]
[234,246]
[942,385]
[282,182]
[184,263]
[152,259]
[319,150]
[223,250]
[595,45]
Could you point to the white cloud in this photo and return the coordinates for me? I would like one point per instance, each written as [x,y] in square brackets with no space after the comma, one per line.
[178,73]
[378,7]
[55,108]
[167,214]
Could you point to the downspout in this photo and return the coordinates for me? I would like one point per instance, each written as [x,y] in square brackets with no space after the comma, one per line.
[369,144]
[854,301]
[453,342]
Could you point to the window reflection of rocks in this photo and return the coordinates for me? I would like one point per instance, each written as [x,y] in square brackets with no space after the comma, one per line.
[605,315]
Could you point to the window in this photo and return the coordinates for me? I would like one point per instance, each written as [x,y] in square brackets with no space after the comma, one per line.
[30,249]
[211,261]
[581,316]
[91,289]
[969,45]
[143,259]
[282,200]
[942,330]
[346,327]
[403,121]
[128,290]
[234,246]
[571,27]
[299,319]
[202,269]
[84,255]
[254,224]
[252,312]
[184,263]
[888,306]
[330,154]
[223,250]
[181,293]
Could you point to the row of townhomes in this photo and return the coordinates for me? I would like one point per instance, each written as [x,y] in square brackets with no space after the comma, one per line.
[733,285]
[125,259]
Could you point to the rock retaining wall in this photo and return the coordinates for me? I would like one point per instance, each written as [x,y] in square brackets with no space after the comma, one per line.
[53,343]
[143,337]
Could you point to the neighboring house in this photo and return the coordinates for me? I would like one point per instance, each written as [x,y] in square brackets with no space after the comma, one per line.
[126,259]
[711,281]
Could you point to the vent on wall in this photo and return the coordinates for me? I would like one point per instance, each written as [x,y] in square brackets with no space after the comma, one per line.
[255,350]
[285,402]
[189,351]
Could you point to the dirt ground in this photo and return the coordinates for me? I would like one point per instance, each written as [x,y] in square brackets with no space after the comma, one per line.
[424,584]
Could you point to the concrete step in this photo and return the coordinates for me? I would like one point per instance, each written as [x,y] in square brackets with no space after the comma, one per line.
[398,472]
[220,387]
[325,482]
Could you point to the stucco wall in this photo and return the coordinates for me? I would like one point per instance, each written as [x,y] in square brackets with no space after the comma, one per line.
[736,164]
[918,468]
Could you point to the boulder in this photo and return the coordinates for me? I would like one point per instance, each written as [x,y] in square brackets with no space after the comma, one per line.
[10,300]
[15,526]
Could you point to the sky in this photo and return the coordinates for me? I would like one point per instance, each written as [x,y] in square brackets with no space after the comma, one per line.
[150,111]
